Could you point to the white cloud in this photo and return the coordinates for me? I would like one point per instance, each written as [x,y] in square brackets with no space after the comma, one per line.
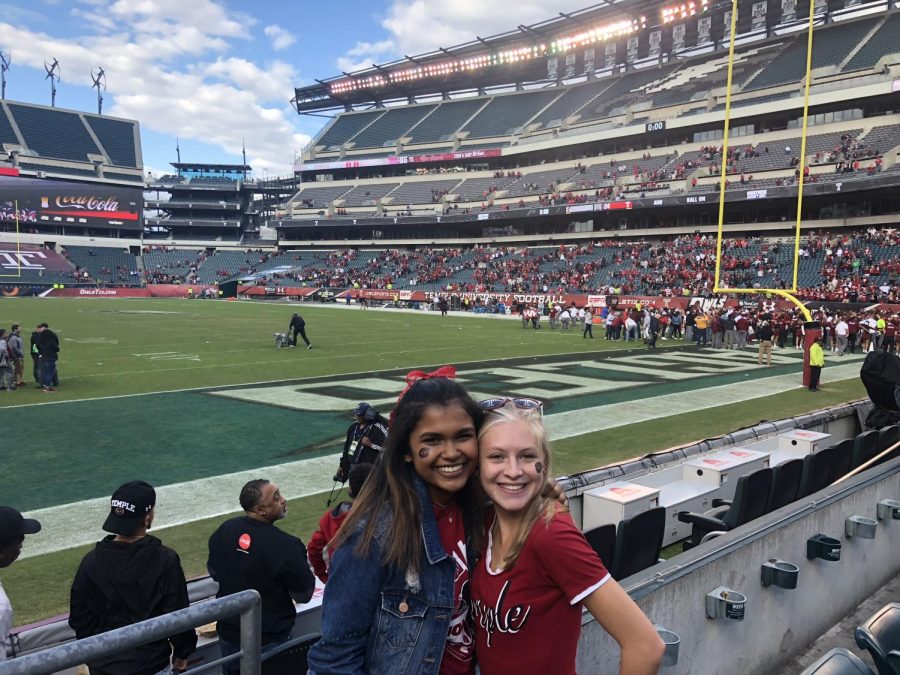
[364,54]
[281,39]
[167,65]
[421,26]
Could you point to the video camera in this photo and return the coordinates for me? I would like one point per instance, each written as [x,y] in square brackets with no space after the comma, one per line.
[343,470]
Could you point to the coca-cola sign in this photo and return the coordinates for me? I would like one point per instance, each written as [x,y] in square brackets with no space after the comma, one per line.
[68,203]
[85,202]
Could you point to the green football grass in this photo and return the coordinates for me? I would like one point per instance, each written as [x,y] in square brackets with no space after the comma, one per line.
[113,348]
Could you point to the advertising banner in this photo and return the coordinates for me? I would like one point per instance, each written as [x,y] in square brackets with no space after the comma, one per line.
[152,291]
[62,202]
[390,161]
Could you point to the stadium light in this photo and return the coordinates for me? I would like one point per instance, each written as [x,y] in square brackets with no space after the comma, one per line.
[601,33]
[683,11]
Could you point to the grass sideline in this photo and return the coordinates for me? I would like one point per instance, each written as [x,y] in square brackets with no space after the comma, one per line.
[39,587]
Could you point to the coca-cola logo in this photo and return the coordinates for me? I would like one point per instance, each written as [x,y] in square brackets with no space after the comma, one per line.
[86,203]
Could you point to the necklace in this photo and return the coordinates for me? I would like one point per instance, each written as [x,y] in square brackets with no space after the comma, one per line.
[445,508]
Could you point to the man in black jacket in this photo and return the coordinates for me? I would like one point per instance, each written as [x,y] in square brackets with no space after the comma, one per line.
[48,348]
[250,552]
[130,577]
[298,325]
[365,438]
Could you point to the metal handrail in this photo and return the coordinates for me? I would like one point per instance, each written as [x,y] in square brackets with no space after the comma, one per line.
[246,603]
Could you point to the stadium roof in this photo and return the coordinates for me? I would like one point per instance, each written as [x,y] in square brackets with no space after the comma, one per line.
[204,166]
[510,58]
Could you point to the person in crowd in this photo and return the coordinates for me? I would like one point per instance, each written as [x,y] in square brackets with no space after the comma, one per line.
[298,326]
[841,333]
[701,323]
[765,343]
[13,528]
[7,379]
[250,552]
[319,550]
[816,363]
[128,577]
[35,352]
[48,349]
[742,328]
[364,441]
[537,571]
[402,557]
[18,350]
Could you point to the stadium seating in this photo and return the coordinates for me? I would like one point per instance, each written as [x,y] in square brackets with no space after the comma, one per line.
[117,138]
[818,468]
[7,134]
[421,192]
[106,265]
[751,497]
[880,635]
[832,47]
[638,542]
[444,121]
[319,197]
[843,458]
[507,113]
[367,195]
[865,448]
[838,661]
[54,133]
[346,127]
[572,100]
[785,484]
[883,42]
[390,126]
[603,540]
[888,437]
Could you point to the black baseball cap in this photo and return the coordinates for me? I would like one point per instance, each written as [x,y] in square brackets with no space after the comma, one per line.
[129,506]
[360,409]
[13,525]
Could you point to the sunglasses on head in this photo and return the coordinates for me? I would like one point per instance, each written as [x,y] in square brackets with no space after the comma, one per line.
[521,403]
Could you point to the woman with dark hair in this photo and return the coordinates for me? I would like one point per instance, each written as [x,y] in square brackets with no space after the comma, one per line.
[397,594]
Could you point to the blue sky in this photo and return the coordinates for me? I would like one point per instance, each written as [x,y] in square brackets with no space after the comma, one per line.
[219,73]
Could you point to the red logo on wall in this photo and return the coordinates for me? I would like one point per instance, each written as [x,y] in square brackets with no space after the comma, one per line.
[244,542]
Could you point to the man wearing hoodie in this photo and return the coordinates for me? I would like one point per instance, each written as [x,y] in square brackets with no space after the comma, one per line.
[130,577]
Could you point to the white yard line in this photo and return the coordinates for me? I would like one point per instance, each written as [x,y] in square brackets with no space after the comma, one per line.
[66,526]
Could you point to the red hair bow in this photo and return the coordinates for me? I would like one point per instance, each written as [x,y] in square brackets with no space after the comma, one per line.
[416,375]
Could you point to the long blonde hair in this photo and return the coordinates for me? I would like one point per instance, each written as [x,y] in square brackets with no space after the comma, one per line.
[543,504]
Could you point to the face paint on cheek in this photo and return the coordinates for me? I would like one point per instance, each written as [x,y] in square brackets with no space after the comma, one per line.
[538,467]
[424,452]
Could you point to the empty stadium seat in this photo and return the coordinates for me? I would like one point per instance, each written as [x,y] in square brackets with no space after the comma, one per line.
[843,458]
[751,497]
[603,540]
[638,542]
[817,470]
[838,661]
[880,635]
[865,448]
[887,437]
[785,484]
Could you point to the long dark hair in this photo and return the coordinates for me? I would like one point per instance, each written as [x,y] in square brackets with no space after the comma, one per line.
[390,485]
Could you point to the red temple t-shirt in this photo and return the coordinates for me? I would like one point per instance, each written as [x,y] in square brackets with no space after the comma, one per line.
[528,619]
[460,648]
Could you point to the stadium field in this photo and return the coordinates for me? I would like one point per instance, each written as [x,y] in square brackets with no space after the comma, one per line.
[194,397]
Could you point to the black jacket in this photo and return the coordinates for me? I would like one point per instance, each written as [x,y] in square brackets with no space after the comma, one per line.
[297,322]
[357,453]
[48,345]
[119,584]
[248,553]
[35,344]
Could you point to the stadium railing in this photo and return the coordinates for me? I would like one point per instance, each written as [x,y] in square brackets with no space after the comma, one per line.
[246,603]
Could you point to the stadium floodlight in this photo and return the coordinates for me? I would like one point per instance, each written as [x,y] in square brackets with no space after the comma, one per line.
[455,66]
[683,11]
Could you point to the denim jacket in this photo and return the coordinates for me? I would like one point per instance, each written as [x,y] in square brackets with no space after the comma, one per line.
[377,620]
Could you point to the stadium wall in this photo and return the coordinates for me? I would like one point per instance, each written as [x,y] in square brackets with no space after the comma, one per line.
[778,623]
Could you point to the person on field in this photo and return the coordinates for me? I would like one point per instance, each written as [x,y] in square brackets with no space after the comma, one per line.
[130,576]
[298,326]
[816,363]
[250,552]
[48,349]
[13,528]
[318,549]
[18,350]
[364,441]
[7,382]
